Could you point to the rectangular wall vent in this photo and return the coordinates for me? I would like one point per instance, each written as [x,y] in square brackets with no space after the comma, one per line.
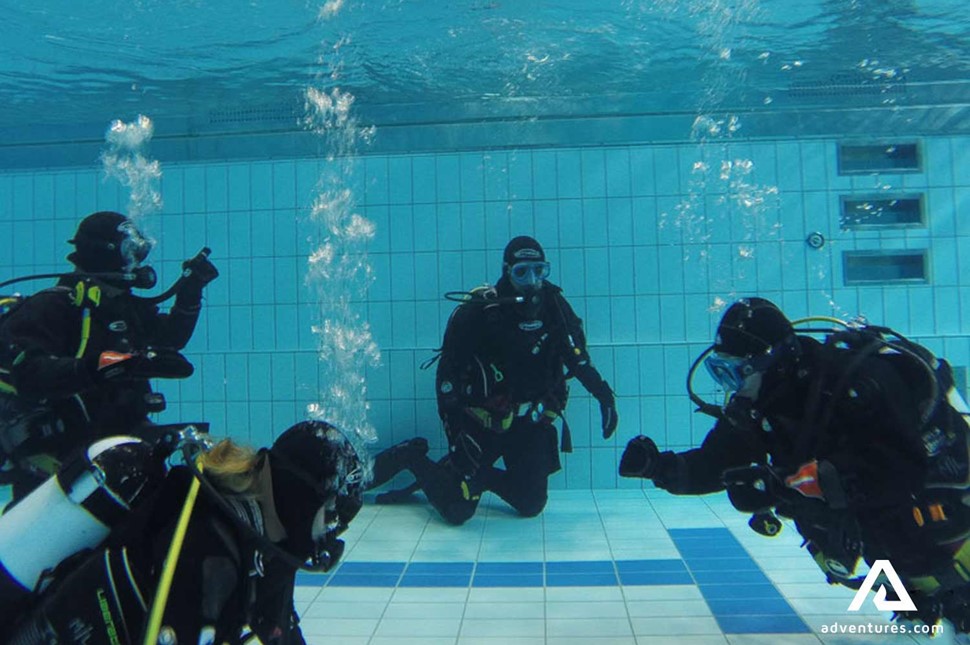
[884,267]
[858,159]
[857,212]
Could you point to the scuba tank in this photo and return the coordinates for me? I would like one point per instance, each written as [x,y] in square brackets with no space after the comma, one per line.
[73,510]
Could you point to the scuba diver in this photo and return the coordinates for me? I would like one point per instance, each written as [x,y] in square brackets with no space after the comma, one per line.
[76,359]
[860,439]
[206,552]
[500,386]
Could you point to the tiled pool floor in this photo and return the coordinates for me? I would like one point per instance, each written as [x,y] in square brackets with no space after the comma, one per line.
[612,567]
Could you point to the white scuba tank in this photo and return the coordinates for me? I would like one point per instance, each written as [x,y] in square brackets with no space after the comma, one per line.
[73,510]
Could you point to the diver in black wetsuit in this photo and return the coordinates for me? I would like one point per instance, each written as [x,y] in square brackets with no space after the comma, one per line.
[76,359]
[258,517]
[859,439]
[501,384]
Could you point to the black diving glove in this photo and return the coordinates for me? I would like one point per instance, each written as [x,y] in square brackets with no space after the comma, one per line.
[197,272]
[199,269]
[608,411]
[146,364]
[640,458]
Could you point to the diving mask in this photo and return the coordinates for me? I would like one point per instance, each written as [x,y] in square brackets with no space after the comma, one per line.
[528,274]
[729,371]
[135,247]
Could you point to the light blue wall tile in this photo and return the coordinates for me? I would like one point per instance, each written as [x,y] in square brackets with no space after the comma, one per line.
[677,423]
[524,220]
[569,174]
[377,183]
[645,215]
[239,187]
[401,232]
[401,371]
[593,168]
[941,211]
[450,276]
[402,420]
[402,277]
[402,324]
[425,227]
[595,223]
[241,328]
[621,270]
[815,174]
[380,217]
[171,186]
[544,178]
[642,177]
[286,324]
[263,332]
[87,196]
[448,177]
[472,177]
[619,221]
[426,283]
[496,176]
[618,172]
[217,187]
[284,184]
[648,323]
[473,225]
[944,269]
[571,224]
[399,180]
[789,163]
[424,185]
[597,272]
[449,227]
[597,319]
[666,171]
[520,174]
[261,176]
[497,229]
[671,262]
[673,321]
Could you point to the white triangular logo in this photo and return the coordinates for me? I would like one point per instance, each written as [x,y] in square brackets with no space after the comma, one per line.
[905,603]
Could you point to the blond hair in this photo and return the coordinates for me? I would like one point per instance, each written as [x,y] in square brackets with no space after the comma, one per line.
[232,467]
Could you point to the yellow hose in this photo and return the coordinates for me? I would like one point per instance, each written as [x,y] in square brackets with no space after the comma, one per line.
[171,560]
[830,319]
[85,332]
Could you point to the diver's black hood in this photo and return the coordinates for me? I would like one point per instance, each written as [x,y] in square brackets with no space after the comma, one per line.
[310,463]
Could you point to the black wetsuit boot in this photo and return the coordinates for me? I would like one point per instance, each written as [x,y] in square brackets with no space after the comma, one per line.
[397,458]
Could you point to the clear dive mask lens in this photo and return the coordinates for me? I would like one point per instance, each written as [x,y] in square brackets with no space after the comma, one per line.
[135,247]
[528,273]
[728,371]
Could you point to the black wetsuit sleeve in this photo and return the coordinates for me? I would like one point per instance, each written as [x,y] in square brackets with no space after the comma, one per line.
[699,471]
[175,328]
[457,351]
[577,359]
[42,336]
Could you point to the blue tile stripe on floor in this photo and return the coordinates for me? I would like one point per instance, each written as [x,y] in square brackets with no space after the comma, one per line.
[592,573]
[739,594]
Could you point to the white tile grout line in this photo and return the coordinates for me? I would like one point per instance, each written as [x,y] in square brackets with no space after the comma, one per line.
[616,572]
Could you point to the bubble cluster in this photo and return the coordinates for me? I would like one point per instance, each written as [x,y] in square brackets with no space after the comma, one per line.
[338,268]
[126,160]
